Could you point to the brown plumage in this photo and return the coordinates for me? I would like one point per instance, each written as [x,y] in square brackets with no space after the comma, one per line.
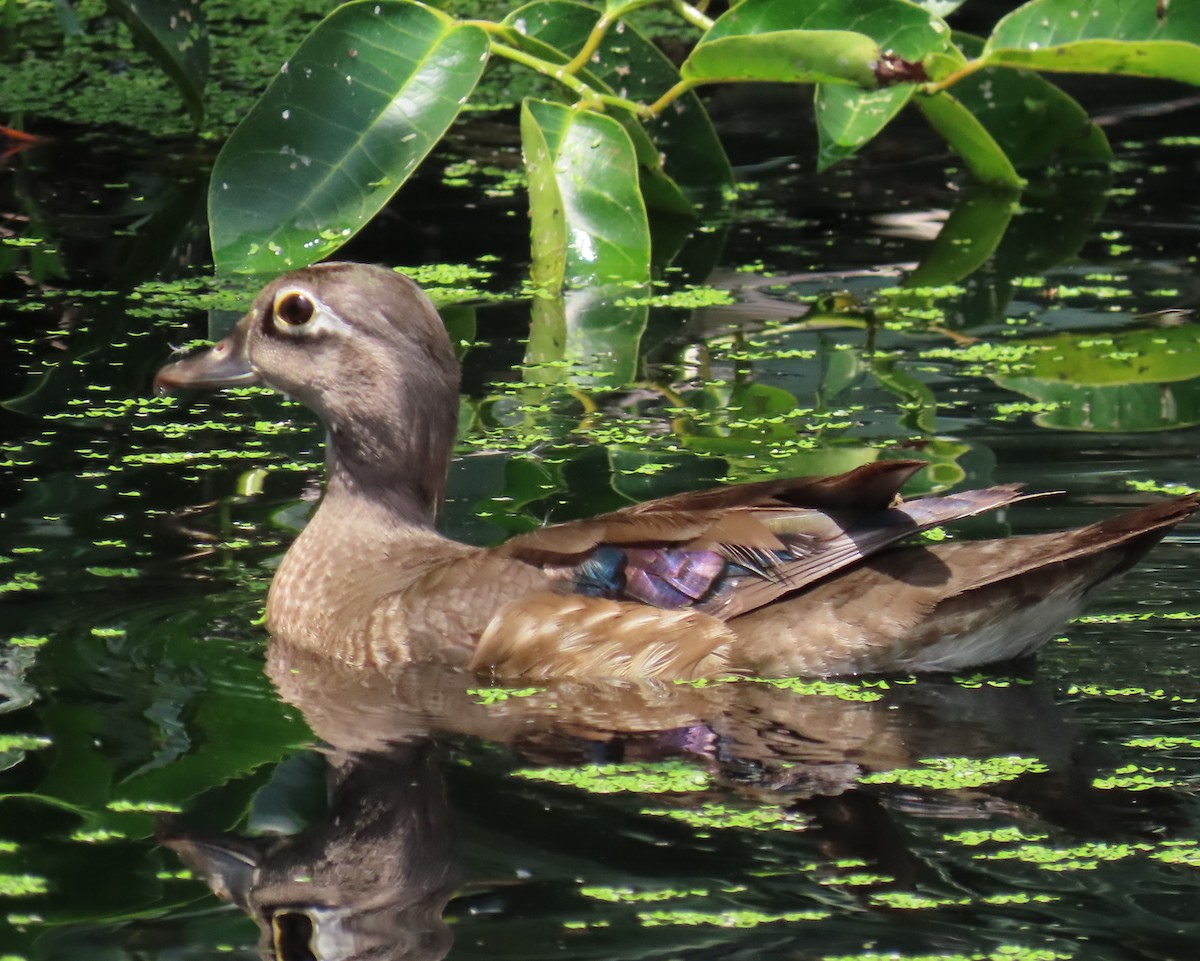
[794,576]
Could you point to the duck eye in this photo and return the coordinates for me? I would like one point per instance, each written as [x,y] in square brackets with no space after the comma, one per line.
[293,309]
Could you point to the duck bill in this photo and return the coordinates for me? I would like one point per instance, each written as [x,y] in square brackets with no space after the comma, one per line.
[224,364]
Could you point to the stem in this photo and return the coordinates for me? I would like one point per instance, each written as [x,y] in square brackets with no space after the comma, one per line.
[579,61]
[596,37]
[490,27]
[668,98]
[611,100]
[693,14]
[589,406]
[557,71]
[953,78]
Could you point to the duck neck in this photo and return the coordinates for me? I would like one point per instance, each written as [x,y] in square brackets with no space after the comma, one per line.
[405,492]
[376,517]
[390,465]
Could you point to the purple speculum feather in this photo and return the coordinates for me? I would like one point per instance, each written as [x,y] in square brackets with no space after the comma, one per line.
[666,577]
[671,578]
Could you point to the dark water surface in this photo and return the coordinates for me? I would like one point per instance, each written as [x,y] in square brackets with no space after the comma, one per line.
[1017,814]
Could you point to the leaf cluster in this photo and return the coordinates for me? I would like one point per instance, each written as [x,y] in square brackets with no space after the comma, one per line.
[376,85]
[618,133]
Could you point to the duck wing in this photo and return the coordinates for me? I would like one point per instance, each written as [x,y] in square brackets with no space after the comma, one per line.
[687,517]
[730,550]
[951,606]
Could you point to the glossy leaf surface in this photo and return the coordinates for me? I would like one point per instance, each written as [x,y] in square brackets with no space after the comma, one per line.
[787,56]
[967,135]
[969,237]
[847,118]
[779,40]
[344,123]
[1137,37]
[680,144]
[568,26]
[940,7]
[1033,121]
[587,217]
[588,337]
[1148,355]
[1145,379]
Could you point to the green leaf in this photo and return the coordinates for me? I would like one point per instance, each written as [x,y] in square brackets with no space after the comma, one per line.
[587,217]
[1138,380]
[1146,355]
[791,56]
[1120,408]
[1031,120]
[967,135]
[782,41]
[217,716]
[999,119]
[679,147]
[760,411]
[345,122]
[587,337]
[175,34]
[840,370]
[1146,379]
[967,239]
[848,118]
[461,325]
[1137,37]
[618,8]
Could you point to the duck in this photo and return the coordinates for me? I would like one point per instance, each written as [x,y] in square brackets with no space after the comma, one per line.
[799,576]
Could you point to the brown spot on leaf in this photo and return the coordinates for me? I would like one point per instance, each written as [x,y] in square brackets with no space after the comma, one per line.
[891,69]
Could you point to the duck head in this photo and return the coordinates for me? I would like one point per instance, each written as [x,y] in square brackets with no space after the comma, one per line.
[364,348]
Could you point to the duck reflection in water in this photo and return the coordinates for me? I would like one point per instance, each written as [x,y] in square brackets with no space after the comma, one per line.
[370,881]
[372,878]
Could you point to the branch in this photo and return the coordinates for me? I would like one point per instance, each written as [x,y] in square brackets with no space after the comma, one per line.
[587,94]
[595,38]
[693,14]
[667,98]
[952,78]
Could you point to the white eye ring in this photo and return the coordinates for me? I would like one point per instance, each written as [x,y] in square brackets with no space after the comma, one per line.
[297,312]
[293,310]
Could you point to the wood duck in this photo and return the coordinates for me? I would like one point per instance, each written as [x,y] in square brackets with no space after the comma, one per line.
[803,576]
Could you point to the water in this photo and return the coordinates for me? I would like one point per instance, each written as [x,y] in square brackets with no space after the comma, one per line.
[145,746]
